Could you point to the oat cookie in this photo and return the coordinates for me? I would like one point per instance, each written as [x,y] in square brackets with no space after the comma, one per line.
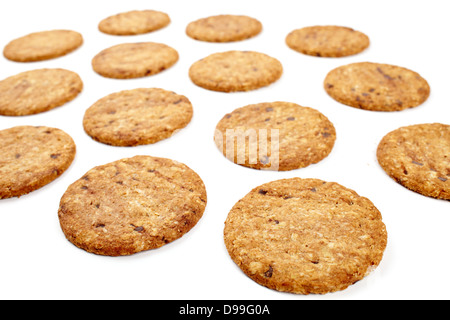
[32,157]
[278,136]
[36,91]
[418,157]
[43,45]
[305,236]
[131,205]
[134,60]
[137,117]
[376,87]
[235,71]
[134,22]
[327,41]
[224,28]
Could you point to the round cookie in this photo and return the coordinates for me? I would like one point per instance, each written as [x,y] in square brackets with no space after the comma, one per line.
[233,71]
[224,28]
[134,22]
[43,45]
[327,41]
[137,117]
[131,205]
[32,157]
[275,136]
[134,60]
[417,157]
[37,91]
[376,87]
[305,236]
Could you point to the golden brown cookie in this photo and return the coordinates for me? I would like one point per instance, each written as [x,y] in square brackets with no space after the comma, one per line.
[235,71]
[327,41]
[132,205]
[134,60]
[137,117]
[43,45]
[376,87]
[305,236]
[32,157]
[275,136]
[224,28]
[36,91]
[418,157]
[134,22]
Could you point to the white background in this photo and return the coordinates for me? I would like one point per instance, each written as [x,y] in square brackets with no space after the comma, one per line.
[37,262]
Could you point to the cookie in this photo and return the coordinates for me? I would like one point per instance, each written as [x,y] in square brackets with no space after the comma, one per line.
[275,136]
[327,41]
[32,157]
[134,60]
[376,87]
[137,117]
[132,205]
[417,157]
[305,236]
[37,91]
[43,45]
[134,22]
[224,28]
[233,71]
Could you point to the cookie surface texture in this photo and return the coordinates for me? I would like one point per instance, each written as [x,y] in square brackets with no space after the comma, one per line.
[233,71]
[32,157]
[137,117]
[132,205]
[275,136]
[37,91]
[224,28]
[43,45]
[376,87]
[417,157]
[134,22]
[305,236]
[327,41]
[134,60]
